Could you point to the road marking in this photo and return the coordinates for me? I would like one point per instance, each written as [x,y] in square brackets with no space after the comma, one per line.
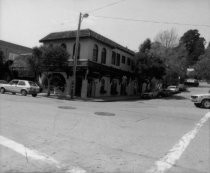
[33,154]
[175,153]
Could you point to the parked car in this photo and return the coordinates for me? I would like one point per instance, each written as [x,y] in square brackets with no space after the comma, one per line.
[174,89]
[182,87]
[165,93]
[150,94]
[201,100]
[20,86]
[191,82]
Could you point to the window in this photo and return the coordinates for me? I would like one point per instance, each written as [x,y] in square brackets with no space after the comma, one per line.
[128,61]
[102,89]
[123,59]
[95,53]
[103,56]
[22,83]
[113,58]
[63,45]
[13,82]
[78,51]
[32,83]
[118,60]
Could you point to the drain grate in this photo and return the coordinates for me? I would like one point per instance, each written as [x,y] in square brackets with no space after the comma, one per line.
[104,114]
[66,107]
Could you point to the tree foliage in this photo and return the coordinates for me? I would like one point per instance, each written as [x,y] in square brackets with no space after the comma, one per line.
[202,68]
[149,65]
[194,44]
[5,71]
[49,59]
[145,46]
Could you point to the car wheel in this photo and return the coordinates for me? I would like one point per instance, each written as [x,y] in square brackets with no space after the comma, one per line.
[206,104]
[23,92]
[2,90]
[34,95]
[197,104]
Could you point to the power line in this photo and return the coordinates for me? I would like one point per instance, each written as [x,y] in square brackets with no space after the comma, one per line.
[150,21]
[105,6]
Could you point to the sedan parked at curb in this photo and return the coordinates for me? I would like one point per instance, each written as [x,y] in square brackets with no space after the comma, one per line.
[23,87]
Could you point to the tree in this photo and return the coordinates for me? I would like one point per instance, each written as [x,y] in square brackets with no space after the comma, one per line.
[194,44]
[148,65]
[1,63]
[49,59]
[145,46]
[35,61]
[5,67]
[174,59]
[202,68]
[167,38]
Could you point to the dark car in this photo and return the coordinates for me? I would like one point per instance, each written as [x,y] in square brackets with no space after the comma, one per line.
[165,93]
[191,82]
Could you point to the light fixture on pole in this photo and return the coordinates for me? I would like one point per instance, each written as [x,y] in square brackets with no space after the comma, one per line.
[73,84]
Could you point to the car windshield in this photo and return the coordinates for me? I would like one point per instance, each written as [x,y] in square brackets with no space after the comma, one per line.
[33,83]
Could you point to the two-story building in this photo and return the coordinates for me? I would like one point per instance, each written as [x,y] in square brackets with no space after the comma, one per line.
[104,68]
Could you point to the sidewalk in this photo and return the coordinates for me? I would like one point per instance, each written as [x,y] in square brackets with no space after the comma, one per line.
[92,99]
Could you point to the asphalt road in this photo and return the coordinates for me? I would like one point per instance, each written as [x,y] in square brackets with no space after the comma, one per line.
[152,136]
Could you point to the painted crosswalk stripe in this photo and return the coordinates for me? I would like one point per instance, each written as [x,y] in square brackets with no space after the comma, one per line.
[177,150]
[35,155]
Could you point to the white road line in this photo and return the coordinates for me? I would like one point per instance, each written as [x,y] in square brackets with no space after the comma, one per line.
[33,154]
[175,153]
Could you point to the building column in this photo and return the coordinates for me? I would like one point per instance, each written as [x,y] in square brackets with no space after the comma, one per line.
[84,88]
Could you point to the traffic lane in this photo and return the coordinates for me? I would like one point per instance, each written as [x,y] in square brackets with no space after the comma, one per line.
[196,158]
[84,137]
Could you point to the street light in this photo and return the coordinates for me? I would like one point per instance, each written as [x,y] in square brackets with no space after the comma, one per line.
[81,16]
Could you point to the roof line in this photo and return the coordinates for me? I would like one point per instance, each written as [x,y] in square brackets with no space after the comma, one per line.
[86,33]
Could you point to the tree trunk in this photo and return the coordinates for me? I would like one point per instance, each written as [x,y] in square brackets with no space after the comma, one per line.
[48,86]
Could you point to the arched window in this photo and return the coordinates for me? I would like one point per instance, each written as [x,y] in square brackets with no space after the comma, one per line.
[113,58]
[63,45]
[78,57]
[103,56]
[95,53]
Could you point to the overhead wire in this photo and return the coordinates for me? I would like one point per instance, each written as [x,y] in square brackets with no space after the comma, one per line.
[149,21]
[105,6]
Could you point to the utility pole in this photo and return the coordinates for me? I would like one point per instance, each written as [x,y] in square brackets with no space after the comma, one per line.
[73,84]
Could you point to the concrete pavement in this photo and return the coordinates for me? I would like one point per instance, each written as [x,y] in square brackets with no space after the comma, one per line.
[139,133]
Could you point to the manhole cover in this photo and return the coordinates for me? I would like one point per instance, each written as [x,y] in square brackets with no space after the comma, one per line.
[104,114]
[66,107]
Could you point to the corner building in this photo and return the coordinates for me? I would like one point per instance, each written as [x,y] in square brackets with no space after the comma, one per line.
[104,68]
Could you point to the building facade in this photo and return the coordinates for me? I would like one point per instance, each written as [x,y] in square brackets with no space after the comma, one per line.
[104,68]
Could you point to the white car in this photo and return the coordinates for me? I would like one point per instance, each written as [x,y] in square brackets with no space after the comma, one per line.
[201,100]
[20,86]
[174,89]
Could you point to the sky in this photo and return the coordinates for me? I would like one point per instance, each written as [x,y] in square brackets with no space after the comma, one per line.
[25,22]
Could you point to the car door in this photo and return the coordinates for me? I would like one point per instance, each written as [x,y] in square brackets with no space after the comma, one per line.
[21,84]
[12,86]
